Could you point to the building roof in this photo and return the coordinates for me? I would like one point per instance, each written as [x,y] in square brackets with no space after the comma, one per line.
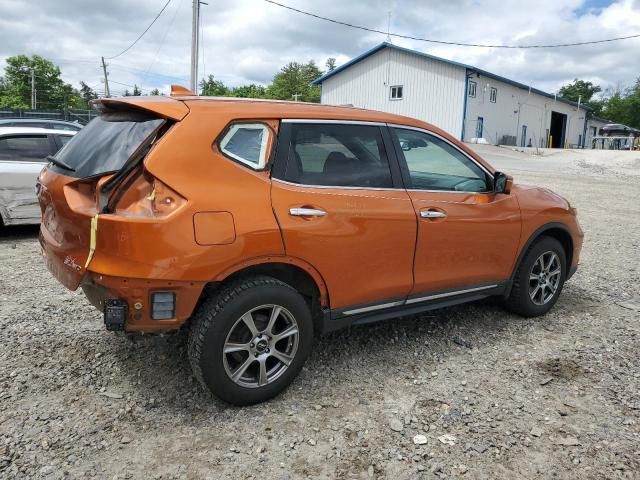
[471,68]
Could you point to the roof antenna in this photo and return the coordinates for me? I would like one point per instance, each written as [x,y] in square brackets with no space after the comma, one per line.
[388,39]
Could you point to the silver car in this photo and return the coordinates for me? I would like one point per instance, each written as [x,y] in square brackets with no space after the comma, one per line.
[23,152]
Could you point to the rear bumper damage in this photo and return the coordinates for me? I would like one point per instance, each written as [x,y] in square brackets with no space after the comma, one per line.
[133,300]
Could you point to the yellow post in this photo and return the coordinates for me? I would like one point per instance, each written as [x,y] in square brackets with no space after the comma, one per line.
[550,140]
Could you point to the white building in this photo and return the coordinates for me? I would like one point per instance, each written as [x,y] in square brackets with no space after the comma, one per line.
[463,100]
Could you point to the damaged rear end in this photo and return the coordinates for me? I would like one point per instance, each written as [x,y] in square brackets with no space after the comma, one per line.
[97,196]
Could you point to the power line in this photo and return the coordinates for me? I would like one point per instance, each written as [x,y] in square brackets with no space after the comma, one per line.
[129,85]
[164,37]
[137,70]
[442,42]
[142,34]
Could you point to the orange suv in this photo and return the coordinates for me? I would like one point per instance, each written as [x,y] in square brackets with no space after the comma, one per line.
[258,224]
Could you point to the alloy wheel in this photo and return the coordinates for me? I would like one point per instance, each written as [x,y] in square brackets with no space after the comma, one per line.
[544,278]
[260,346]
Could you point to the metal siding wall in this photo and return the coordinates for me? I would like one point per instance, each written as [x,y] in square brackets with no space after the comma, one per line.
[501,118]
[432,90]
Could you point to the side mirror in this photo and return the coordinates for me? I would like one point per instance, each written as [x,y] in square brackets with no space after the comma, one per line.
[502,183]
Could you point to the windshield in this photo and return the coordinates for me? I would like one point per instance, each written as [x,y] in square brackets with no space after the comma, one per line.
[105,144]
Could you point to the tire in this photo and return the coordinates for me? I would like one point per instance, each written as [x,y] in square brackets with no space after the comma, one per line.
[222,324]
[521,300]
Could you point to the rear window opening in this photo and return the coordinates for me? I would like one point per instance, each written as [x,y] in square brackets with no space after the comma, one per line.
[106,143]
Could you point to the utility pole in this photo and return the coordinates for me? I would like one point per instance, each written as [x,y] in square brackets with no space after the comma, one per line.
[33,89]
[295,96]
[106,80]
[195,26]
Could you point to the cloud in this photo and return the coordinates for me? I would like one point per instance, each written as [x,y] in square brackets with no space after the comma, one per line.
[248,41]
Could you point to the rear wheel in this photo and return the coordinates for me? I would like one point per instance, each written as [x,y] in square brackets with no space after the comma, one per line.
[250,340]
[539,279]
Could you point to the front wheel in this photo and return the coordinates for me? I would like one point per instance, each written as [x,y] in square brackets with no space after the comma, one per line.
[250,340]
[539,280]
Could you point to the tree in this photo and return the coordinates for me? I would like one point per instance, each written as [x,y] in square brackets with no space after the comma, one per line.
[126,93]
[136,91]
[155,92]
[249,91]
[331,64]
[583,91]
[623,105]
[86,94]
[293,82]
[51,91]
[212,87]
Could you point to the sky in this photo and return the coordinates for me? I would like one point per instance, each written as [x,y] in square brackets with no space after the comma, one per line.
[248,41]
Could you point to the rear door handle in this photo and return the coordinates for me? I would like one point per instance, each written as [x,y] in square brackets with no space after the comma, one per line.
[307,212]
[432,214]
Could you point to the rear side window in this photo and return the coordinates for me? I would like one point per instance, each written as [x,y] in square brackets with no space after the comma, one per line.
[106,143]
[247,143]
[31,148]
[64,139]
[338,155]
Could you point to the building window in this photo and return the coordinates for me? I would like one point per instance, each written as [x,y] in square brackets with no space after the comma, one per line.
[493,95]
[472,89]
[396,92]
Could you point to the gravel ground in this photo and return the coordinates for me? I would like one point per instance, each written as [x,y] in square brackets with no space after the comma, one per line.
[470,391]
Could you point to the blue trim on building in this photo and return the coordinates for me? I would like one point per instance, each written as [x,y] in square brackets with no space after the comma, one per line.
[464,107]
[479,71]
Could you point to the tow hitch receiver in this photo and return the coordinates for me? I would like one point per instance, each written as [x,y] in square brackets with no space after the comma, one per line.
[115,314]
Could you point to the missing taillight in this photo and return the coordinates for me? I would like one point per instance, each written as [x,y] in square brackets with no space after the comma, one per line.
[165,200]
[147,196]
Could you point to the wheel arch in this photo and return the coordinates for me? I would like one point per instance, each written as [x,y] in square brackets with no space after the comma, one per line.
[559,231]
[293,271]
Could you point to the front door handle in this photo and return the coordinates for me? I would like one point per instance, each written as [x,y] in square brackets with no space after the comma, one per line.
[306,212]
[432,214]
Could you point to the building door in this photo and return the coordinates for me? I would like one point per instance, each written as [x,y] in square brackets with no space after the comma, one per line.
[523,138]
[467,235]
[557,130]
[479,127]
[341,210]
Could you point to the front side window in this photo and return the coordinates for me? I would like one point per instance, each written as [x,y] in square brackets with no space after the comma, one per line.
[26,148]
[247,143]
[337,155]
[396,92]
[434,164]
[493,95]
[472,88]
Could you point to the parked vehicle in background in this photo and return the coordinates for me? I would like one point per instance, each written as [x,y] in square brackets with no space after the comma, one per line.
[258,224]
[23,152]
[40,123]
[616,136]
